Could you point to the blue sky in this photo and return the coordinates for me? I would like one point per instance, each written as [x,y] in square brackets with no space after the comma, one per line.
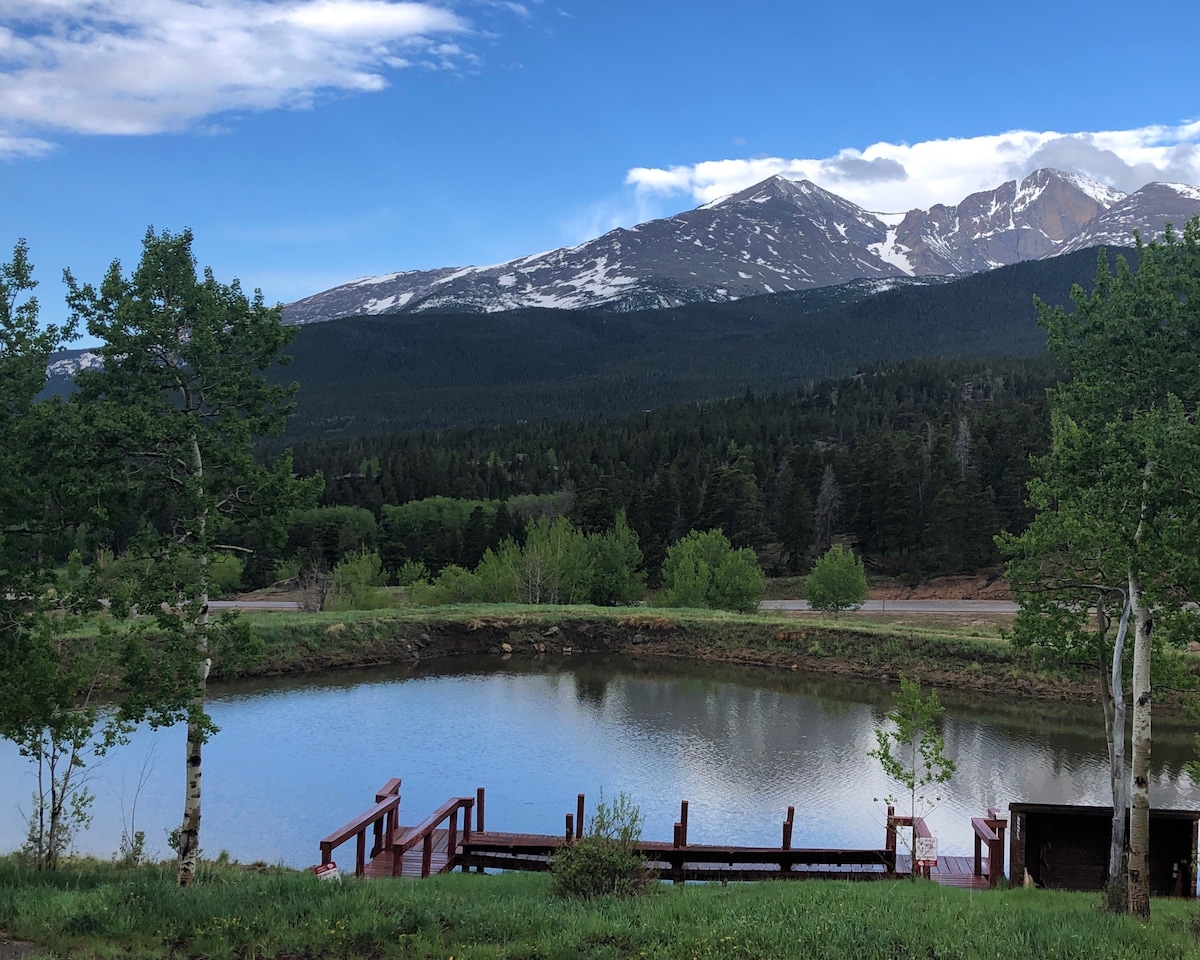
[308,142]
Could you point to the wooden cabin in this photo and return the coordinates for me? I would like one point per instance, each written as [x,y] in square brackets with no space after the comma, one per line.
[1066,847]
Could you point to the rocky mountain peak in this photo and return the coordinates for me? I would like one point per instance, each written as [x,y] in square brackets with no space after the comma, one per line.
[778,235]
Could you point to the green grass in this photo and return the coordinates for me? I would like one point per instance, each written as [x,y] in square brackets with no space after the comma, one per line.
[99,910]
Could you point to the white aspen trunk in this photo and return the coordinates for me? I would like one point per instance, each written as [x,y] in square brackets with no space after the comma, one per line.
[1139,793]
[1114,720]
[189,831]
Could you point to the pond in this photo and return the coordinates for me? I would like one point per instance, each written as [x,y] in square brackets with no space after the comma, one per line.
[297,758]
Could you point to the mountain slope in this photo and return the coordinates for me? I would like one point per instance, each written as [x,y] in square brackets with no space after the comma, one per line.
[439,370]
[778,235]
[1149,210]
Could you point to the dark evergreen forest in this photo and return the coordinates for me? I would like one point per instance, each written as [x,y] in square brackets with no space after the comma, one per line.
[375,374]
[918,462]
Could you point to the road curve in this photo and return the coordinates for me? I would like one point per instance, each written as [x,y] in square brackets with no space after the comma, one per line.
[909,606]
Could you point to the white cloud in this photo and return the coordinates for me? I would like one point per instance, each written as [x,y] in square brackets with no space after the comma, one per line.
[147,66]
[897,177]
[12,148]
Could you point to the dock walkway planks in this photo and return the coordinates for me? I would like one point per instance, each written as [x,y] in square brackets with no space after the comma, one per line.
[520,851]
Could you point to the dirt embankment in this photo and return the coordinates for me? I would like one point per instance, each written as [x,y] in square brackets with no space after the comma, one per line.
[983,586]
[963,663]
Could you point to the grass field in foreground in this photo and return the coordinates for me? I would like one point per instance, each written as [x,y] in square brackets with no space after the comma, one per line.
[95,909]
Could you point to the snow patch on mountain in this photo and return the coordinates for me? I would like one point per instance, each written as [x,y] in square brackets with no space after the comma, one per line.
[69,366]
[889,251]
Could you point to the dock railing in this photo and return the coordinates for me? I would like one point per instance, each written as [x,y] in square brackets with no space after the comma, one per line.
[989,830]
[380,818]
[919,829]
[423,834]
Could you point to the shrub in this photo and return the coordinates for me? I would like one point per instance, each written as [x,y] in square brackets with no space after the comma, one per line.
[616,558]
[605,861]
[838,582]
[410,572]
[356,583]
[703,570]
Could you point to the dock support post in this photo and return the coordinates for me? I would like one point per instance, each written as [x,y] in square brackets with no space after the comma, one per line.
[479,817]
[683,823]
[579,816]
[570,834]
[676,856]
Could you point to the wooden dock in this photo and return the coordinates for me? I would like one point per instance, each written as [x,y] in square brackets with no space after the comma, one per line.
[446,841]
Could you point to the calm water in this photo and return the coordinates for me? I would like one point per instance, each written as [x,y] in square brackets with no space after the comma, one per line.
[296,759]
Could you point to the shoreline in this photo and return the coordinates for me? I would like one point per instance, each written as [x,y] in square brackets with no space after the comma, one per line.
[299,644]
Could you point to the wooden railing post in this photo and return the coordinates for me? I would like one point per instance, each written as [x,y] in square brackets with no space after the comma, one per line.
[683,823]
[326,852]
[452,841]
[479,817]
[427,855]
[360,852]
[677,856]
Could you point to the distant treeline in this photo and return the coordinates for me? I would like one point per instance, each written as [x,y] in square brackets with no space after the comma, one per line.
[919,463]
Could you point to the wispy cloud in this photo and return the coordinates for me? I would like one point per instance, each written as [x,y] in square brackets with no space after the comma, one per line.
[148,66]
[896,177]
[13,148]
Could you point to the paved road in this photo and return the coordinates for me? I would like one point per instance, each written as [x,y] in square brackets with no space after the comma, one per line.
[253,605]
[910,606]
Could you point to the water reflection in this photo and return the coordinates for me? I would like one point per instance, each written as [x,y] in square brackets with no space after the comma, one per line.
[296,758]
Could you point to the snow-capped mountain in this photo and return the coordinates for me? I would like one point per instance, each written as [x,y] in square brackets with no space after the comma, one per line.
[775,236]
[1149,210]
[994,228]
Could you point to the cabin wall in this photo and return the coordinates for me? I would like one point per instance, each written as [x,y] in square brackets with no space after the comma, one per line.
[1066,848]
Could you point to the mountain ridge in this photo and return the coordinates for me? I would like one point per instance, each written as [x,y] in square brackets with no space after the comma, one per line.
[777,235]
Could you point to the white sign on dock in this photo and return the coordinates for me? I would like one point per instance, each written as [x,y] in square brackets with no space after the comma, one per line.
[925,851]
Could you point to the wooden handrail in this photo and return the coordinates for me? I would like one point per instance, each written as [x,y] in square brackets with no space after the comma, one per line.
[381,817]
[989,830]
[919,829]
[423,834]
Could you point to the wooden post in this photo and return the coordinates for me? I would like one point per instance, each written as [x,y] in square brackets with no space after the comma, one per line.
[390,827]
[326,853]
[570,827]
[360,853]
[677,858]
[452,839]
[677,840]
[479,810]
[889,843]
[683,821]
[427,855]
[787,834]
[579,816]
[376,837]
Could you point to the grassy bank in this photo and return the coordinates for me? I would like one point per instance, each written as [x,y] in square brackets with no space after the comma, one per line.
[975,658]
[100,910]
